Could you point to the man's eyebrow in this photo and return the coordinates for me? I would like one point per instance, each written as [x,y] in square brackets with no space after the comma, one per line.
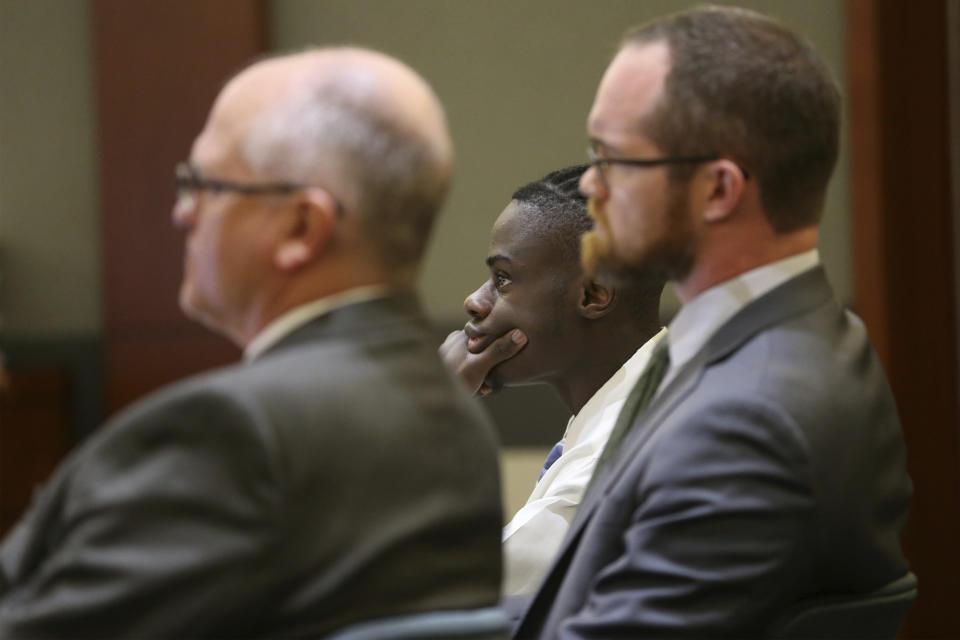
[599,145]
[496,258]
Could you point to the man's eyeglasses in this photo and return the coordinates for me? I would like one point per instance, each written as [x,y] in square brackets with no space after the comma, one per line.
[600,164]
[189,182]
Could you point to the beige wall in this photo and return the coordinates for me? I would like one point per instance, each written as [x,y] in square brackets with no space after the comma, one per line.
[518,79]
[49,232]
[519,468]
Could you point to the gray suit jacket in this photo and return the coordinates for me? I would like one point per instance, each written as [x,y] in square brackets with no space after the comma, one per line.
[770,468]
[342,476]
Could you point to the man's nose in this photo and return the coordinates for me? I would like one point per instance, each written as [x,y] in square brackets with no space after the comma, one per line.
[477,305]
[184,212]
[590,184]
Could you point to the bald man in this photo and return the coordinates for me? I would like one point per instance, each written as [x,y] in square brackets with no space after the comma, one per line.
[338,474]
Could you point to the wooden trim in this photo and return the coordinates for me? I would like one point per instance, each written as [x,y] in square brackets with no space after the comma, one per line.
[863,109]
[159,66]
[35,435]
[953,47]
[904,280]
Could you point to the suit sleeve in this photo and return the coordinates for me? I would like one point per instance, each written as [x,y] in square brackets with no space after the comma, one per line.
[717,527]
[159,528]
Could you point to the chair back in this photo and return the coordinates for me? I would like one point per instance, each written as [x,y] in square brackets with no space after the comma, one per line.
[876,615]
[489,623]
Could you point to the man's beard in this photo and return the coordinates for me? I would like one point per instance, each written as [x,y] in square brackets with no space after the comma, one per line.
[596,250]
[669,257]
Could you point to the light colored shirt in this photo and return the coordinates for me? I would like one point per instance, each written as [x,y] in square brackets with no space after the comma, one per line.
[532,538]
[299,316]
[700,318]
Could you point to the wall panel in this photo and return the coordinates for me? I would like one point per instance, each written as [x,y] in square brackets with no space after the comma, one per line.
[904,282]
[159,66]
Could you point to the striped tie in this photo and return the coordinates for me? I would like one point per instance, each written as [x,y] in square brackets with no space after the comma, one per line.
[551,458]
[640,396]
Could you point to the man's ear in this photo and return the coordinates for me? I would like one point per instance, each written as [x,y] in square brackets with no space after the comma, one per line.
[596,299]
[720,190]
[316,216]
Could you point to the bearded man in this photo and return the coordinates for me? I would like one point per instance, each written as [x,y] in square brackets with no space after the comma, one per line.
[759,460]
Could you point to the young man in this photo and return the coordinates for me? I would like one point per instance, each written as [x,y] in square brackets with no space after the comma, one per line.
[767,464]
[586,339]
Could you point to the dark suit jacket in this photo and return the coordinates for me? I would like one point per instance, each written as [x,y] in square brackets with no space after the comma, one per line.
[770,468]
[342,476]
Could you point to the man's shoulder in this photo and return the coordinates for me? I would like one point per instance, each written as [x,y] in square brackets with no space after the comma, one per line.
[798,387]
[213,404]
[811,358]
[796,331]
[313,396]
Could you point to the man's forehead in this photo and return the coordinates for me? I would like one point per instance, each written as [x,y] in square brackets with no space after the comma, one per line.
[240,102]
[513,223]
[518,239]
[630,88]
[217,149]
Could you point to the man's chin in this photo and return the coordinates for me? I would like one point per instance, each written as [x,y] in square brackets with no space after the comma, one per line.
[499,377]
[188,304]
[598,261]
[196,312]
[502,376]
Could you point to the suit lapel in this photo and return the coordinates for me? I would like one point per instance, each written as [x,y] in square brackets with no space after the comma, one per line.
[646,424]
[649,418]
[798,295]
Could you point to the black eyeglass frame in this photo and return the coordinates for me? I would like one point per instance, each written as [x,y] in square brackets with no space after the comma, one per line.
[187,179]
[598,162]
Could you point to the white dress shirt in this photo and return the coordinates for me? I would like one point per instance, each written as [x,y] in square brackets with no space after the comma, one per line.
[700,318]
[299,316]
[533,536]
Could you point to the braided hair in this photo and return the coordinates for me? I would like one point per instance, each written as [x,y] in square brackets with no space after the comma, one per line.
[556,207]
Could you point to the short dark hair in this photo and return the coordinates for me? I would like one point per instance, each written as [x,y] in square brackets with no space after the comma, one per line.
[556,208]
[743,85]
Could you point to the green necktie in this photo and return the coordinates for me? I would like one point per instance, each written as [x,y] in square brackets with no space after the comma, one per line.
[639,398]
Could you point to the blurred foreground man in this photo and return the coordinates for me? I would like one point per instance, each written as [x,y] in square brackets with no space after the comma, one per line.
[759,459]
[340,473]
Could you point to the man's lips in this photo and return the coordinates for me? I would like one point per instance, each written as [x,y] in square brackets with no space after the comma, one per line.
[477,340]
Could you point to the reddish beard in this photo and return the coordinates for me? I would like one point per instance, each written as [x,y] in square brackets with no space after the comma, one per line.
[670,256]
[596,251]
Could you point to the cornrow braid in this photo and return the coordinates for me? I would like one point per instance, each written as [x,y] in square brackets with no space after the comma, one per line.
[562,185]
[558,209]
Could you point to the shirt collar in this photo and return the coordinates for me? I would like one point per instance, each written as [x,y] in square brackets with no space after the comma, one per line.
[299,316]
[700,318]
[616,388]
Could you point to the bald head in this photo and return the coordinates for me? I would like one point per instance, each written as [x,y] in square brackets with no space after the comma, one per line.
[356,122]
